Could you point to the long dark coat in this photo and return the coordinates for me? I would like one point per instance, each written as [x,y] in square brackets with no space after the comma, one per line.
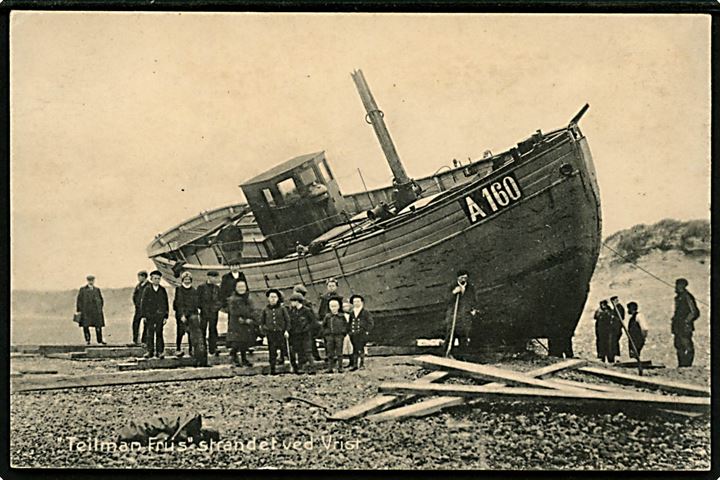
[616,331]
[90,304]
[467,302]
[241,333]
[602,332]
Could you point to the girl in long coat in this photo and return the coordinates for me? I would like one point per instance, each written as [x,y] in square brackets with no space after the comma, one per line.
[241,332]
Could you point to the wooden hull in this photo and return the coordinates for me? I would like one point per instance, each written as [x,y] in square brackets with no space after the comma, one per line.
[531,262]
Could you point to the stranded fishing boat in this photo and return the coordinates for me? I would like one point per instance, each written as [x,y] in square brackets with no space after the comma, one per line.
[525,223]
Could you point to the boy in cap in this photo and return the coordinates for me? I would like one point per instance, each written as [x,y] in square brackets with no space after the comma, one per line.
[210,303]
[334,329]
[186,306]
[89,305]
[301,323]
[315,327]
[142,277]
[274,324]
[361,324]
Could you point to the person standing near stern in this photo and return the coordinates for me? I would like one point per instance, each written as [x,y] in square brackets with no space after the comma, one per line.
[463,295]
[682,327]
[89,305]
[142,277]
[155,309]
[637,330]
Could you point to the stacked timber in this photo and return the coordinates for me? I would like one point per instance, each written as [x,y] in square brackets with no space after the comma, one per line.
[428,395]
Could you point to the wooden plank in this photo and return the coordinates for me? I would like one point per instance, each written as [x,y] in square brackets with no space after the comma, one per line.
[608,388]
[548,395]
[114,352]
[37,372]
[648,382]
[379,403]
[26,384]
[433,405]
[488,372]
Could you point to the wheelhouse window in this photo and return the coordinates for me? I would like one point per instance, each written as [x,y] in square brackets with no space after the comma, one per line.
[307,176]
[268,197]
[325,171]
[288,189]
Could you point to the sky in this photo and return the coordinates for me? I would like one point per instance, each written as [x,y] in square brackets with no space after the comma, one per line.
[124,124]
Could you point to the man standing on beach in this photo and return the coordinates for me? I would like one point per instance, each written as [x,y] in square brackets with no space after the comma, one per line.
[137,297]
[154,309]
[686,312]
[90,307]
[209,293]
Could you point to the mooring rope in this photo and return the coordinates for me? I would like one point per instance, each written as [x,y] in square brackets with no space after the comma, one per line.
[644,270]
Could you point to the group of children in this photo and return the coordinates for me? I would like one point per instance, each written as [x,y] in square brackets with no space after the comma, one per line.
[292,328]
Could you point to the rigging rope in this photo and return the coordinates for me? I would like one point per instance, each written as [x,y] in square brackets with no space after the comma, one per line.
[644,270]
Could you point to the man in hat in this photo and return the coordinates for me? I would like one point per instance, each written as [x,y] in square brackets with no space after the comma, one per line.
[89,305]
[300,325]
[463,295]
[617,315]
[360,325]
[154,309]
[142,277]
[227,285]
[209,296]
[315,326]
[682,327]
[274,324]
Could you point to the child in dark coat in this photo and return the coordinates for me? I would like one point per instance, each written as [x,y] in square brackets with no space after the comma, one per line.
[274,324]
[334,329]
[360,325]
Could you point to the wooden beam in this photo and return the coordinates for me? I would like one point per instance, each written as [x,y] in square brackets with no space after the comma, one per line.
[432,405]
[548,395]
[382,402]
[30,383]
[488,372]
[648,382]
[608,388]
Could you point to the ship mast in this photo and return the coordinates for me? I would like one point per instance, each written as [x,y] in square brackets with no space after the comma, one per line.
[406,188]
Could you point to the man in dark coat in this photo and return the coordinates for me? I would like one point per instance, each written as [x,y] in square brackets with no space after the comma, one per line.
[142,277]
[463,294]
[209,295]
[602,330]
[227,285]
[637,330]
[360,325]
[155,309]
[682,327]
[186,305]
[90,307]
